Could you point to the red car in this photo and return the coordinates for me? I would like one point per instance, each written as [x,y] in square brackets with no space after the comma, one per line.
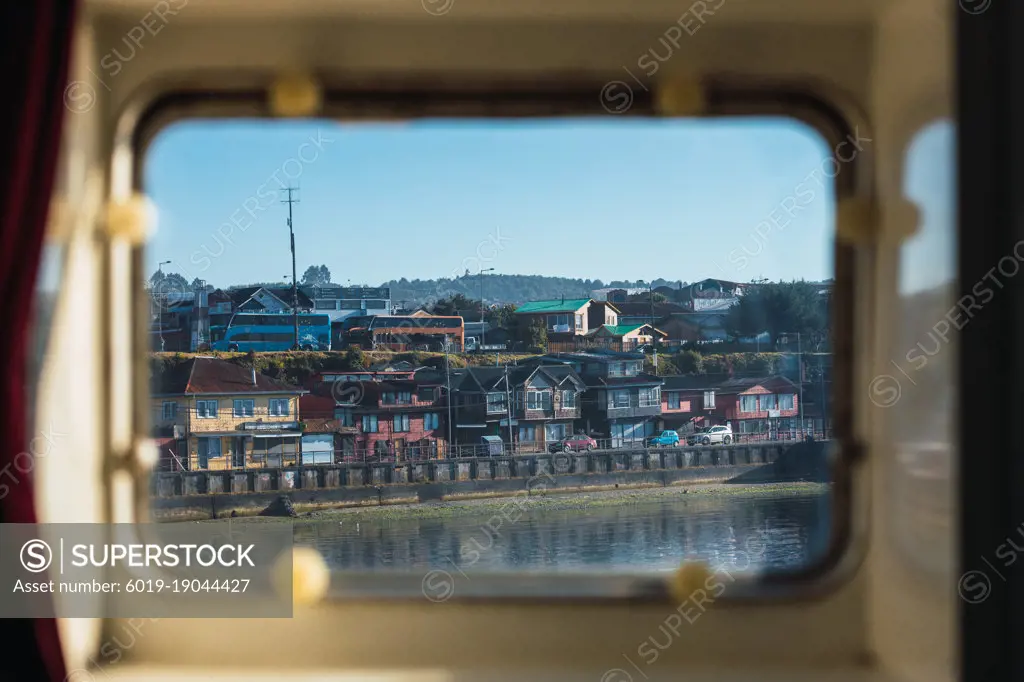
[575,442]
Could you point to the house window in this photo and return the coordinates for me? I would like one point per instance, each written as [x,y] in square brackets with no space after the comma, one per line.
[279,407]
[401,423]
[538,400]
[709,400]
[170,410]
[496,403]
[370,423]
[769,402]
[244,408]
[559,322]
[569,400]
[619,398]
[624,434]
[344,417]
[431,421]
[206,409]
[748,403]
[207,448]
[579,321]
[625,369]
[527,434]
[556,432]
[426,395]
[787,401]
[650,397]
[399,398]
[673,401]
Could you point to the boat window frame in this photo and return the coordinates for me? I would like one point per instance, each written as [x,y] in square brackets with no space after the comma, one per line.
[221,97]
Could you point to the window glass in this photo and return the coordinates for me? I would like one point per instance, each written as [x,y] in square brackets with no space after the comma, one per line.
[916,393]
[514,233]
[206,409]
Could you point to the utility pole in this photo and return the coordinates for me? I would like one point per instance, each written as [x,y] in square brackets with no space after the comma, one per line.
[821,380]
[800,377]
[448,381]
[654,337]
[159,312]
[483,332]
[295,284]
[799,374]
[508,411]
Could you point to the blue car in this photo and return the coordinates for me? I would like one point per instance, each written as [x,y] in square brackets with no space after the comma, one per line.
[664,439]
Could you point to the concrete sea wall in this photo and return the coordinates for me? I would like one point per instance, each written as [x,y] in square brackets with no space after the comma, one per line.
[216,494]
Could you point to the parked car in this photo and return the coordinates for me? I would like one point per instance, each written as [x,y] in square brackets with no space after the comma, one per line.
[664,439]
[712,434]
[575,442]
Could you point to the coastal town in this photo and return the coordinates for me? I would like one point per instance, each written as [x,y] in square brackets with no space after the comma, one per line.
[264,376]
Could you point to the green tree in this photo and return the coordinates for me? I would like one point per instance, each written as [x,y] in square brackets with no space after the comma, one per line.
[779,308]
[666,365]
[745,318]
[457,304]
[501,315]
[164,283]
[690,362]
[316,275]
[762,363]
[355,358]
[534,336]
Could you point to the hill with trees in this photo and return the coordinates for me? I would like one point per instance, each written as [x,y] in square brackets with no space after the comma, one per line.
[500,288]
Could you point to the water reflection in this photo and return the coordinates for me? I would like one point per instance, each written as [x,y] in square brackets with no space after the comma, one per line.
[734,530]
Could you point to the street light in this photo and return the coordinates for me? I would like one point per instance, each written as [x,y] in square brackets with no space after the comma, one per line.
[483,332]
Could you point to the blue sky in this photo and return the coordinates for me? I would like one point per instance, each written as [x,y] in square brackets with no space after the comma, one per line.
[601,199]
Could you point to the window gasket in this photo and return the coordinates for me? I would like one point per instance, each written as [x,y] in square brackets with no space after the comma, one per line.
[387,99]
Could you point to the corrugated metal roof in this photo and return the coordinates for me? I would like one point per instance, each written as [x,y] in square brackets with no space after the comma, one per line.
[555,306]
[619,329]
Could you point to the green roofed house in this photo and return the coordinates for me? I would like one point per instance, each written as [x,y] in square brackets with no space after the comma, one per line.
[623,337]
[564,319]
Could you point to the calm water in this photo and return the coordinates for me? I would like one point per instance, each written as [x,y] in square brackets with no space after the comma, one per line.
[654,535]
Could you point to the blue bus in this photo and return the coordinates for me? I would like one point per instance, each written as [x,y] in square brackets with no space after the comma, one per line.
[273,332]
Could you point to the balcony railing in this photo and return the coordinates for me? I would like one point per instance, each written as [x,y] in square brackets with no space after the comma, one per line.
[634,407]
[418,453]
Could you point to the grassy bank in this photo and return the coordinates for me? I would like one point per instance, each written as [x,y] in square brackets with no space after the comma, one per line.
[551,502]
[297,366]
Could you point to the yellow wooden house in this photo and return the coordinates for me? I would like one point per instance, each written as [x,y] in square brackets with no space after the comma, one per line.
[212,414]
